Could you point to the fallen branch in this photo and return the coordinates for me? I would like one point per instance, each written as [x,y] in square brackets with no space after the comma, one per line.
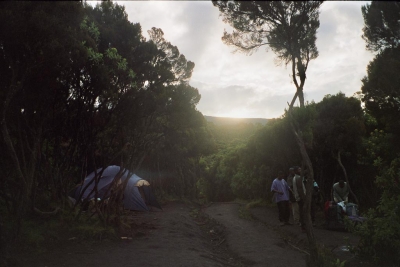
[54,212]
[299,249]
[223,240]
[224,263]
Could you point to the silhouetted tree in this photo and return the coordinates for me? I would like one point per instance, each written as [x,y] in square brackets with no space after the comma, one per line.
[338,129]
[381,25]
[381,88]
[288,27]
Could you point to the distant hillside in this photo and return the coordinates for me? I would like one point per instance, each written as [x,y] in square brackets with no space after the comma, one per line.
[231,121]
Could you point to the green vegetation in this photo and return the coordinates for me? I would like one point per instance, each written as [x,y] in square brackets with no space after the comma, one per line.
[40,233]
[327,259]
[245,213]
[245,207]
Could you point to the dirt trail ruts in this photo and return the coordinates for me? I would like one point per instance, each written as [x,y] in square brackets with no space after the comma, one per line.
[338,242]
[181,235]
[163,238]
[253,240]
[263,241]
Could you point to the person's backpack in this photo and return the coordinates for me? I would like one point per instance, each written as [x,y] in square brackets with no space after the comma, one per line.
[333,216]
[352,209]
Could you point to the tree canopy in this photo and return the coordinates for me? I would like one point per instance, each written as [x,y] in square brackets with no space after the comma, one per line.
[381,25]
[288,27]
[381,88]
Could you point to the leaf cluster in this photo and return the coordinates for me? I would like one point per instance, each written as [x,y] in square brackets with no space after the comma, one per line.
[288,27]
[380,232]
[381,89]
[381,25]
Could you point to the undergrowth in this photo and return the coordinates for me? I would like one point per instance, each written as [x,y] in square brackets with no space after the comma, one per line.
[326,259]
[245,208]
[41,233]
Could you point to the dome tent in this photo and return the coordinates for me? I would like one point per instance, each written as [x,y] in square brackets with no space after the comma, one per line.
[133,199]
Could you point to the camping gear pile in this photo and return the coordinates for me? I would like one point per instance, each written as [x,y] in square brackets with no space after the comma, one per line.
[137,194]
[336,212]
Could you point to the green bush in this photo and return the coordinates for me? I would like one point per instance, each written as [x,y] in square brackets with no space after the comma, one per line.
[39,232]
[326,259]
[380,233]
[32,234]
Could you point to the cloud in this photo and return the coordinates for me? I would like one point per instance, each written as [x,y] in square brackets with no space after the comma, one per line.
[253,85]
[342,57]
[241,101]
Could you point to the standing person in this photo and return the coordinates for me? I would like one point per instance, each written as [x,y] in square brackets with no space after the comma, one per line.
[315,195]
[314,200]
[341,192]
[300,194]
[293,203]
[281,189]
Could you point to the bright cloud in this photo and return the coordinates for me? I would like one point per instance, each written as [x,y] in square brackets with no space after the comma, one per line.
[253,86]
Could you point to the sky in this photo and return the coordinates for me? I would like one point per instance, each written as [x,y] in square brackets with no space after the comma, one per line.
[238,85]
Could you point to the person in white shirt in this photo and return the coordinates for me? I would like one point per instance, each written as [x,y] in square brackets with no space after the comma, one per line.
[281,190]
[341,192]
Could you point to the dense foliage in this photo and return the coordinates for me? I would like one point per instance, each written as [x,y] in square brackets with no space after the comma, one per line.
[380,88]
[82,89]
[381,25]
[336,124]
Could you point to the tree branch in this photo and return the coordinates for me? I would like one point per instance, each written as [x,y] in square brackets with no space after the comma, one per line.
[339,160]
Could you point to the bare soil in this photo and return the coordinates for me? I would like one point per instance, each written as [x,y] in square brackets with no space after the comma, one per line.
[222,234]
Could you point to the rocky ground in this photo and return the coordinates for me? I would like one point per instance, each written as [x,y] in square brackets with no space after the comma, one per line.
[222,234]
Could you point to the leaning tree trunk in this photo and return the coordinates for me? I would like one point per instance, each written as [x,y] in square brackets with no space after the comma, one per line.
[339,160]
[307,207]
[314,256]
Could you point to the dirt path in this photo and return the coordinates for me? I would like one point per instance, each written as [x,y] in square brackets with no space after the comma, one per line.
[182,235]
[253,240]
[261,239]
[163,238]
[334,241]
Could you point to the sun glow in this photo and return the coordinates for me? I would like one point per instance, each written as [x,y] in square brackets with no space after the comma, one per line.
[236,113]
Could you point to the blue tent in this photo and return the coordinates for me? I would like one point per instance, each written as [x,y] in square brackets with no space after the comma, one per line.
[132,198]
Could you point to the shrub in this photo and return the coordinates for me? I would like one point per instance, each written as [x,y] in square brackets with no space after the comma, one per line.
[380,233]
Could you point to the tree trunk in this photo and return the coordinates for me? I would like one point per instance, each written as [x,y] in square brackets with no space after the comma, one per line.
[299,86]
[301,96]
[307,207]
[314,256]
[339,160]
[22,197]
[293,100]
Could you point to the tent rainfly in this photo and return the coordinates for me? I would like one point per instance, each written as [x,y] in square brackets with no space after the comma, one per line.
[133,199]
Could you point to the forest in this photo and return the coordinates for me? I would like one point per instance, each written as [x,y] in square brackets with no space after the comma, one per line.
[83,92]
